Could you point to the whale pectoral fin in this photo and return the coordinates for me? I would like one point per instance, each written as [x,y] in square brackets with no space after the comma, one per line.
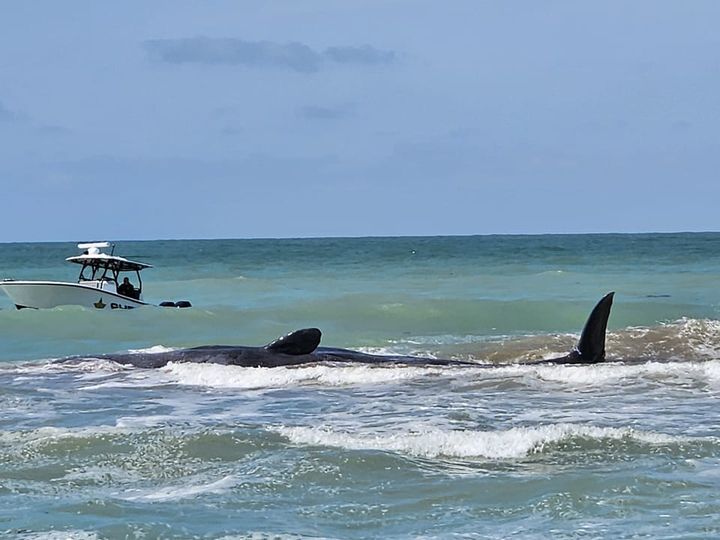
[299,342]
[591,347]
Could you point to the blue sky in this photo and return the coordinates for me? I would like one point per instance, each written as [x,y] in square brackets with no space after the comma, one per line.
[144,120]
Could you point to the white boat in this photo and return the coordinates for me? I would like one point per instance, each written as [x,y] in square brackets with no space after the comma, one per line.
[98,284]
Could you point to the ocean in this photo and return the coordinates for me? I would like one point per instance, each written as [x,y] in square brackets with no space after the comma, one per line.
[625,449]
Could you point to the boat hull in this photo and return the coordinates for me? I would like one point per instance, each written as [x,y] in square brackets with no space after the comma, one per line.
[50,294]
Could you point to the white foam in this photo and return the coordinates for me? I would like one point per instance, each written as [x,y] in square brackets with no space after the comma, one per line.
[155,349]
[174,493]
[219,376]
[508,444]
[133,378]
[575,375]
[88,365]
[611,372]
[61,535]
[702,334]
[132,423]
[260,535]
[596,375]
[711,370]
[50,434]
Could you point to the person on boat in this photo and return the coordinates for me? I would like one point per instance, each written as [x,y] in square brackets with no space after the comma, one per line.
[126,288]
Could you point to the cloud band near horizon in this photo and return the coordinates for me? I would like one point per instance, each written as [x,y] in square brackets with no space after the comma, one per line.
[237,52]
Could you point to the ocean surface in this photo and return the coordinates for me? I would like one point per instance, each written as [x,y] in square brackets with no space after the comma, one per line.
[626,449]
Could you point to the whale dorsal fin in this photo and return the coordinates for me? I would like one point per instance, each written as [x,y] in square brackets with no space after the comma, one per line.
[298,342]
[591,346]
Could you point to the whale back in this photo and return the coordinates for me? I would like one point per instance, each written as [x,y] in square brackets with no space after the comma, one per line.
[303,341]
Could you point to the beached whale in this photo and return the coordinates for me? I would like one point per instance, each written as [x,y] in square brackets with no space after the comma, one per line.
[302,347]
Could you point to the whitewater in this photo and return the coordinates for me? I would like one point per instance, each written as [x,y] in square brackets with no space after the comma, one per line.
[625,449]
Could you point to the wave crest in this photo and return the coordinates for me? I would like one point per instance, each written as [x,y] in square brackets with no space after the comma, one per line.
[512,443]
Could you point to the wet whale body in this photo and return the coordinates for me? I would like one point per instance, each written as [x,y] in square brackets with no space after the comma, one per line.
[302,347]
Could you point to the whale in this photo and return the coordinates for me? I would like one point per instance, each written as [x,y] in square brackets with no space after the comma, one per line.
[302,347]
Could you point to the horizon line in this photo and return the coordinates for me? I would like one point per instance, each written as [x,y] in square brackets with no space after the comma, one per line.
[365,237]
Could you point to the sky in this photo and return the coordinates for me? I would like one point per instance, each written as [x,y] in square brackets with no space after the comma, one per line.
[296,118]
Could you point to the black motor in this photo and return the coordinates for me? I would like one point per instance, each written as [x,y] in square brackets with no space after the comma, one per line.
[178,304]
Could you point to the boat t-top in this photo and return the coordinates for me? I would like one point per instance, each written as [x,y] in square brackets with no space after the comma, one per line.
[98,286]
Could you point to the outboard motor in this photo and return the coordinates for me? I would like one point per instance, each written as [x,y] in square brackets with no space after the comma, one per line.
[178,304]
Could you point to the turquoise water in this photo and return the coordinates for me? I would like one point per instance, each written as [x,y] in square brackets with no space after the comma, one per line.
[627,449]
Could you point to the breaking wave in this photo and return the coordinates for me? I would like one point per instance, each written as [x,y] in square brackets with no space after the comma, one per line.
[509,444]
[681,340]
[218,376]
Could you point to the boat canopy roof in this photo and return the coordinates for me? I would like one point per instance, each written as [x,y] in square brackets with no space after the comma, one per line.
[93,257]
